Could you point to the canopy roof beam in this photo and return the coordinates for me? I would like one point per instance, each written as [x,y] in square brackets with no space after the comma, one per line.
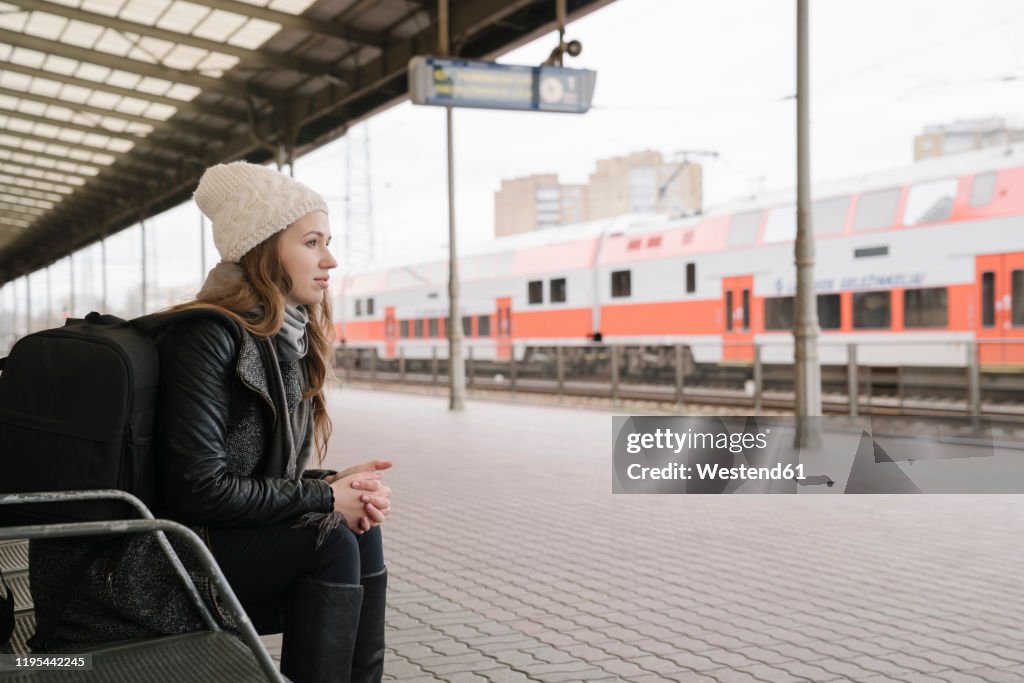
[194,130]
[112,61]
[242,54]
[333,29]
[193,107]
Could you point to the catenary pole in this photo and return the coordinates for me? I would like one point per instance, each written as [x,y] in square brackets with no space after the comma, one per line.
[456,364]
[805,332]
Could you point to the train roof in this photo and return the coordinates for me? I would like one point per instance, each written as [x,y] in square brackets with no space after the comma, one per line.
[965,163]
[500,255]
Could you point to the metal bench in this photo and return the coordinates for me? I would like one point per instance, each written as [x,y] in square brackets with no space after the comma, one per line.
[212,655]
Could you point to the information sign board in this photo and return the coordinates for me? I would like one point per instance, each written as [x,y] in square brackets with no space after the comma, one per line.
[487,85]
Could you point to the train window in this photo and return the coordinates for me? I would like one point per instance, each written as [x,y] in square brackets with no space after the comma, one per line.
[417,328]
[828,216]
[869,252]
[404,326]
[829,312]
[483,326]
[746,309]
[444,327]
[743,227]
[1017,298]
[988,299]
[781,225]
[691,278]
[728,310]
[930,202]
[983,189]
[467,325]
[876,209]
[779,312]
[558,290]
[621,284]
[872,310]
[535,291]
[359,307]
[925,307]
[369,306]
[432,327]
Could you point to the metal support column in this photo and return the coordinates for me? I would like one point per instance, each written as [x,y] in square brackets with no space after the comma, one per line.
[103,269]
[758,379]
[28,305]
[71,295]
[807,364]
[680,374]
[560,369]
[142,227]
[613,353]
[49,299]
[973,380]
[456,364]
[852,381]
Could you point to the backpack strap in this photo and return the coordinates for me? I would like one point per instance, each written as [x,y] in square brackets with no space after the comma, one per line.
[155,324]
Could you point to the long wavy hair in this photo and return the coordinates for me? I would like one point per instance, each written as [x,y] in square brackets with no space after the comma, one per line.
[257,304]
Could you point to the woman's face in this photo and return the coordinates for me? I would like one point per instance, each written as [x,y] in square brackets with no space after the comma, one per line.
[306,259]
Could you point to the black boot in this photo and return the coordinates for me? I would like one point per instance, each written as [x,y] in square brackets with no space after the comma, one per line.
[368,658]
[320,625]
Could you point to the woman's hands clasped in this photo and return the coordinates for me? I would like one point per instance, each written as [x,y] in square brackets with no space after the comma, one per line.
[360,495]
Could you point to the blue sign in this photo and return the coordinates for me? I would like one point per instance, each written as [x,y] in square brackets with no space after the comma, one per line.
[487,85]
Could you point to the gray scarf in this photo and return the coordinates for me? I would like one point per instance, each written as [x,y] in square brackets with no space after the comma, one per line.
[290,342]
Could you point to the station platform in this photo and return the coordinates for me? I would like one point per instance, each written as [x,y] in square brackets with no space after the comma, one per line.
[511,560]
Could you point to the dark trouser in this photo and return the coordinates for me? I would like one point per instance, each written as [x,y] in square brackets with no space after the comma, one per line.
[263,563]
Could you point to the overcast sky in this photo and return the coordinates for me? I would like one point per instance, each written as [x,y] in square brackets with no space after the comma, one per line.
[687,75]
[672,75]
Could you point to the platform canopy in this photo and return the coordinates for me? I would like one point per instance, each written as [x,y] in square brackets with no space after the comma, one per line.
[111,109]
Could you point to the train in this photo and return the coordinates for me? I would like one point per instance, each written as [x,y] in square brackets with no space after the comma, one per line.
[916,266]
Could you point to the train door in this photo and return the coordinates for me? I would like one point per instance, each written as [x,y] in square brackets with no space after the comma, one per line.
[390,332]
[999,321]
[737,337]
[503,335]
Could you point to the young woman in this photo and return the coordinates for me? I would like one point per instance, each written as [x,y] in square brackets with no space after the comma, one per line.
[241,409]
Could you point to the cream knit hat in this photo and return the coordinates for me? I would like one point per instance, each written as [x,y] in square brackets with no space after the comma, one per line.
[248,203]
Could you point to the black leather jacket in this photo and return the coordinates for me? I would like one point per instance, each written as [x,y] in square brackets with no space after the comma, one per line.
[217,420]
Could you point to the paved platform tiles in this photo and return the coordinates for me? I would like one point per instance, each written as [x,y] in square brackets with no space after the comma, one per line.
[512,561]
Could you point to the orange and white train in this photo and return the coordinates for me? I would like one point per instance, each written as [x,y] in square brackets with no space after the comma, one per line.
[910,265]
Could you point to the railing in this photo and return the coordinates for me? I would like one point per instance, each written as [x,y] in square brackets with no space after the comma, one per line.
[883,376]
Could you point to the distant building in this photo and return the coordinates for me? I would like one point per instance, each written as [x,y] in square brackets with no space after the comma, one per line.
[964,136]
[524,204]
[639,182]
[642,182]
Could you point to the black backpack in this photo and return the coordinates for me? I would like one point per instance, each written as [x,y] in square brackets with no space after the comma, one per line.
[77,409]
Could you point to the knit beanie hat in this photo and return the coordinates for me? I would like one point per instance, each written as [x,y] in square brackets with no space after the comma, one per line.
[248,203]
